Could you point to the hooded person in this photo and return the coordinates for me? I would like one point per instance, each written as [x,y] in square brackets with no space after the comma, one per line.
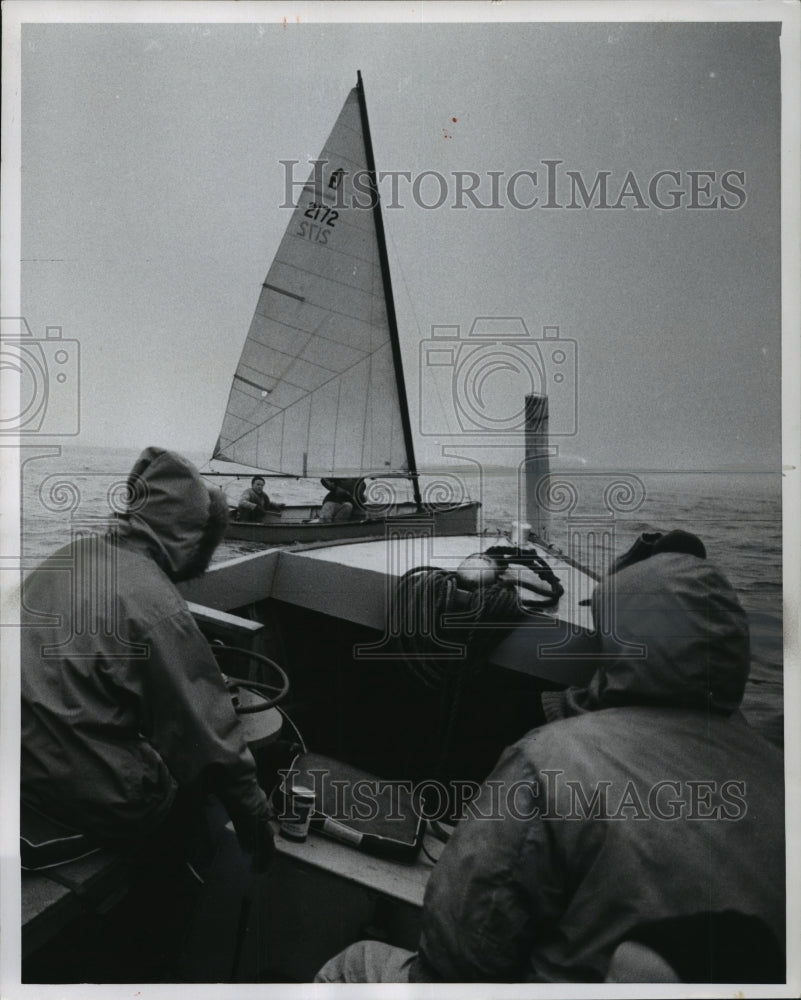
[123,705]
[646,797]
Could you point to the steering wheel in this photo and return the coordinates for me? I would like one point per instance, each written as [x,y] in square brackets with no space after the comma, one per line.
[271,694]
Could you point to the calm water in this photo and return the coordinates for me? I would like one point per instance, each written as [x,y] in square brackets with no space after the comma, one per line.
[737,516]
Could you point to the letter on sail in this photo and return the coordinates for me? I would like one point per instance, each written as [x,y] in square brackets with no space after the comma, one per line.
[315,390]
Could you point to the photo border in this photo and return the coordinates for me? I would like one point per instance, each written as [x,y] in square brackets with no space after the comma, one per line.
[17,12]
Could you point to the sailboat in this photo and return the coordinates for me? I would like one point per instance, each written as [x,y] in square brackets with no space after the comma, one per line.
[319,390]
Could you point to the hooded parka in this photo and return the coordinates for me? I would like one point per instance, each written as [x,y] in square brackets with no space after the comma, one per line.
[647,797]
[122,701]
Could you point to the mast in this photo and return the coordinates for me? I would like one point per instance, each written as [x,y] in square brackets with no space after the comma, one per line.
[390,301]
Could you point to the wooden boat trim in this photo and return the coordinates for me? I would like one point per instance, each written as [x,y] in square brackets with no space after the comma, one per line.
[459,519]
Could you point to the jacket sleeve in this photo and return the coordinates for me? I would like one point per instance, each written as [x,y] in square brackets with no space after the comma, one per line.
[247,502]
[189,718]
[496,881]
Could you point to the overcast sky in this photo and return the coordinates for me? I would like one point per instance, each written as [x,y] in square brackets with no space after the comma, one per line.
[152,191]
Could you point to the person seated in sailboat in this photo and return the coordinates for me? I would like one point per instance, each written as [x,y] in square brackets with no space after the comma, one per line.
[342,501]
[254,504]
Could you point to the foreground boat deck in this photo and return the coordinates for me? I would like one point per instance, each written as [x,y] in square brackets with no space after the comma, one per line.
[290,898]
[322,611]
[354,582]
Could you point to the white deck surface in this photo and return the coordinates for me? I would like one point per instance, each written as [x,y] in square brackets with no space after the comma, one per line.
[405,882]
[355,582]
[396,556]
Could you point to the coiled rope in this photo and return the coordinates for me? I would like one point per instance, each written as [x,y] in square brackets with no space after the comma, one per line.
[551,589]
[447,633]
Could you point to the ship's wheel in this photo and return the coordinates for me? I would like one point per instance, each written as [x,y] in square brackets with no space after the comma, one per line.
[254,696]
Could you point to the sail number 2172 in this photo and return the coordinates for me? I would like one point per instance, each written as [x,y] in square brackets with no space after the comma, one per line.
[323,222]
[329,215]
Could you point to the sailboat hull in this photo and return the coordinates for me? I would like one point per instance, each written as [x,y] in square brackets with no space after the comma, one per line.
[299,524]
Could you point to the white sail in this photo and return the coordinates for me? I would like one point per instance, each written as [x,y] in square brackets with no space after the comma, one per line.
[315,391]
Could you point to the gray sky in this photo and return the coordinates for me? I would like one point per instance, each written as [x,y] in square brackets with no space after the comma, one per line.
[152,189]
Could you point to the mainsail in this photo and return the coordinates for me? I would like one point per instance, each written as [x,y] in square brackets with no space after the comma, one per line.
[316,390]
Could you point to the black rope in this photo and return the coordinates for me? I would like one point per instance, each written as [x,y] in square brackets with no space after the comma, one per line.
[508,556]
[428,854]
[434,616]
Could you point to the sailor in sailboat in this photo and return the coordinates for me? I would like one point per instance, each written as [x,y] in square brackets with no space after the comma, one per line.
[343,500]
[319,388]
[254,503]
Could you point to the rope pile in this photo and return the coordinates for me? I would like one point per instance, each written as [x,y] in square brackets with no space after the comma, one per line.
[435,620]
[446,633]
[551,590]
